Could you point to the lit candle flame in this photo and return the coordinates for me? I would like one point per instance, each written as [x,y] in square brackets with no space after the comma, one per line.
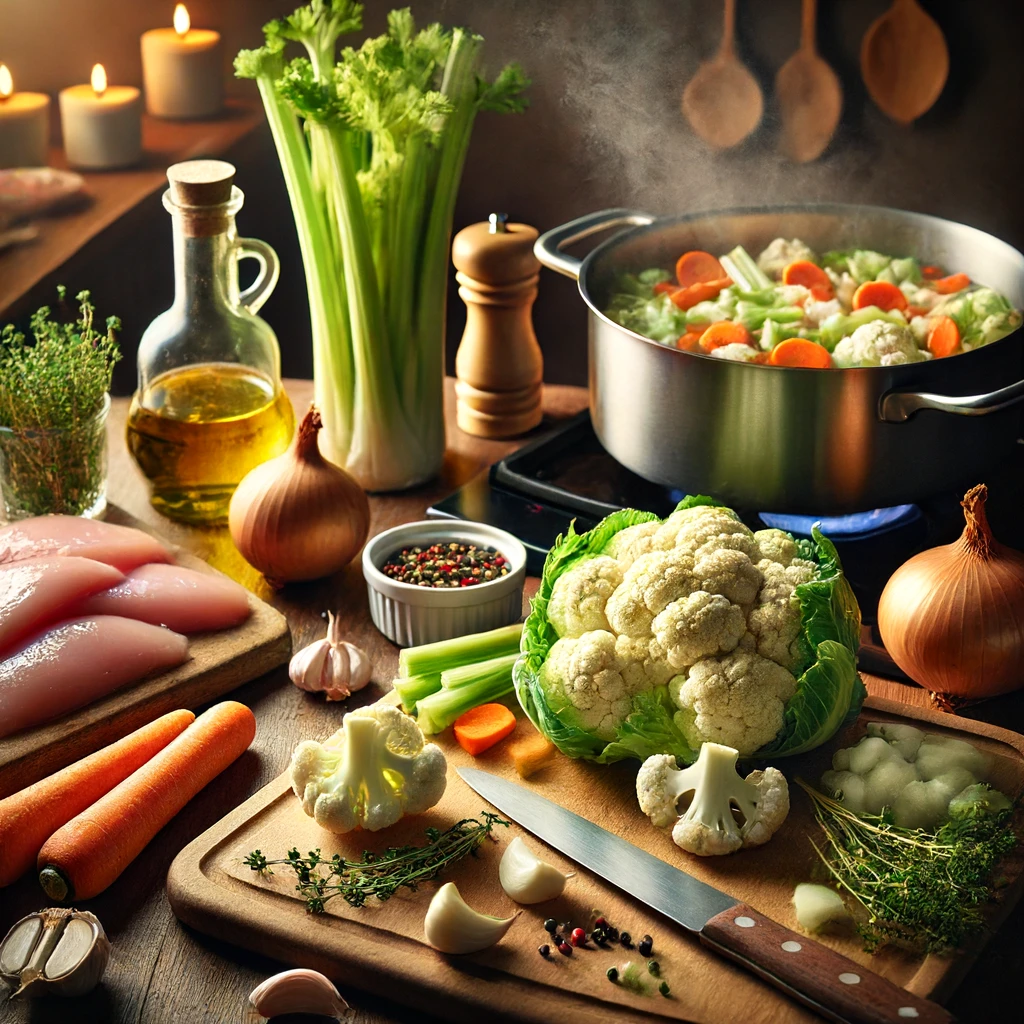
[182,22]
[98,79]
[6,82]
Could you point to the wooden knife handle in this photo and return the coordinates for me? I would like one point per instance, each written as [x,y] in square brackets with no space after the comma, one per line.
[828,982]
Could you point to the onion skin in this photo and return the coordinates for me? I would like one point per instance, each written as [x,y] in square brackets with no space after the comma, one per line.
[952,617]
[298,516]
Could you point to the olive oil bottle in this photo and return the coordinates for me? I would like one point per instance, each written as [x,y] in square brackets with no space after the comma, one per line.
[209,405]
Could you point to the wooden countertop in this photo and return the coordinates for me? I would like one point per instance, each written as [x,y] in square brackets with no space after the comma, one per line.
[161,972]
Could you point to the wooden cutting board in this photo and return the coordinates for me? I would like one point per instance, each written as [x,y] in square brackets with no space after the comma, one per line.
[219,662]
[381,948]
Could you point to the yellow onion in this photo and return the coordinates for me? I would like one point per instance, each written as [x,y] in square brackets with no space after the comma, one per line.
[299,517]
[952,617]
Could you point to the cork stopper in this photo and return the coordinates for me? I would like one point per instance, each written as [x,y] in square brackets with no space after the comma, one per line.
[201,182]
[496,251]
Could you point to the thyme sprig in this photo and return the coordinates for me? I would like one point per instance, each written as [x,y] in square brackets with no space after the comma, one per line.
[920,890]
[380,875]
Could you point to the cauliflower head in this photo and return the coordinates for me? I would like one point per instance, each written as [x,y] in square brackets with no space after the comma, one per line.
[878,343]
[710,809]
[653,637]
[372,771]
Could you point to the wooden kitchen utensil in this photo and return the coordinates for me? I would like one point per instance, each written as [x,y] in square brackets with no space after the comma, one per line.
[723,101]
[499,365]
[904,60]
[809,94]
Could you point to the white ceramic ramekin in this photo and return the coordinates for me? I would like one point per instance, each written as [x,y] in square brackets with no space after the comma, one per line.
[411,615]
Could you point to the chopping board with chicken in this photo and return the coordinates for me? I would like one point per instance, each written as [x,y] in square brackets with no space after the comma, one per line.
[382,946]
[103,627]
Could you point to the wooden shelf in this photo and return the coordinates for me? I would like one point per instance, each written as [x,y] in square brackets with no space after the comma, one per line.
[111,194]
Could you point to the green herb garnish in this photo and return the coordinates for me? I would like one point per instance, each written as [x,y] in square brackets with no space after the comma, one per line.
[52,396]
[380,875]
[918,889]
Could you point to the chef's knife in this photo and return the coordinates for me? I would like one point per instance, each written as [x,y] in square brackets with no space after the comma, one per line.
[826,981]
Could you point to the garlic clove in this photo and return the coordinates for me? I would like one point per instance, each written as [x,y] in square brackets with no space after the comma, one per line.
[331,666]
[526,878]
[298,991]
[452,926]
[307,666]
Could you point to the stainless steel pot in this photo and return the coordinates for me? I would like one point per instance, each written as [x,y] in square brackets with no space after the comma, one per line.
[793,440]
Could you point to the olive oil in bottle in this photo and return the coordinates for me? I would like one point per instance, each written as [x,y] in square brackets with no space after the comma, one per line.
[196,431]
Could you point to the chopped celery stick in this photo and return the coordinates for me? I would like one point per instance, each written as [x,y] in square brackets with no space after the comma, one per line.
[460,650]
[453,678]
[475,685]
[744,271]
[414,688]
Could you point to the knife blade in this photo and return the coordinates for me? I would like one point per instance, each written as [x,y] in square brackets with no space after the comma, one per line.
[830,984]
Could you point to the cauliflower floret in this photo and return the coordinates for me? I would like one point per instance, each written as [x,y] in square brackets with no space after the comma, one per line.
[588,670]
[644,664]
[781,252]
[845,286]
[371,772]
[724,812]
[729,572]
[815,312]
[632,542]
[794,294]
[578,597]
[878,343]
[775,620]
[920,329]
[738,699]
[690,528]
[651,582]
[737,352]
[698,625]
[776,546]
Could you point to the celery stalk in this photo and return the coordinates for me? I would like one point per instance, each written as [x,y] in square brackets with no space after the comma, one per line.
[476,684]
[461,650]
[415,688]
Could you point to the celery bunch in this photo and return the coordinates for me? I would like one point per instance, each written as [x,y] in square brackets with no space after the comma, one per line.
[372,145]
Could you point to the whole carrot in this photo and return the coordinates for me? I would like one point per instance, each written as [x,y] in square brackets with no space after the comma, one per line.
[81,859]
[29,817]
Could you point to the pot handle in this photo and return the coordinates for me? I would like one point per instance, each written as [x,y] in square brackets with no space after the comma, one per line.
[548,248]
[899,406]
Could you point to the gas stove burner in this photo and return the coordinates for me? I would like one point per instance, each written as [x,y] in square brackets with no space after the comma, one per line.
[856,526]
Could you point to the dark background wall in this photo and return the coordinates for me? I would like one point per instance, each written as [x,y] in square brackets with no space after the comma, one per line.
[604,129]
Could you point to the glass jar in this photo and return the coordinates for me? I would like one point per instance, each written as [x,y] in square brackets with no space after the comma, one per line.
[63,470]
[209,405]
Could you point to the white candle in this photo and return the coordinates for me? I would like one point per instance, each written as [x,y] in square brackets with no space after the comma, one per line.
[182,70]
[102,124]
[24,125]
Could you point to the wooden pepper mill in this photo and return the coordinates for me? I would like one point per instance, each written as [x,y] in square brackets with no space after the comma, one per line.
[499,365]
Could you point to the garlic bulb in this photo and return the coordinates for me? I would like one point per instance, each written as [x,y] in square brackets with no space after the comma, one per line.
[331,665]
[298,991]
[452,926]
[57,951]
[526,878]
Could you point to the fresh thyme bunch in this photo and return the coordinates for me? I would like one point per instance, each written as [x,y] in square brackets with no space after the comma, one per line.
[380,875]
[52,395]
[918,889]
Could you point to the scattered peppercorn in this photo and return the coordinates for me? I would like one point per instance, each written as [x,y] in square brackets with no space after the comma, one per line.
[550,925]
[654,967]
[447,565]
[626,940]
[645,946]
[564,948]
[544,950]
[612,974]
[578,937]
[664,989]
[600,923]
[598,936]
[611,933]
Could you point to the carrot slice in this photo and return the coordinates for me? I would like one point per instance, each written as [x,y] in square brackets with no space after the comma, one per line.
[800,352]
[932,272]
[913,311]
[883,294]
[665,288]
[953,283]
[87,854]
[697,266]
[811,276]
[480,728]
[685,298]
[29,817]
[725,332]
[690,341]
[943,337]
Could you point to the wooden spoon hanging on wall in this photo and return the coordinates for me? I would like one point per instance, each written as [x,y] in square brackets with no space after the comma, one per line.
[904,60]
[723,101]
[809,94]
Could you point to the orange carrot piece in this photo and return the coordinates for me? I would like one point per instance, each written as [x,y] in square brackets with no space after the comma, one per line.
[690,341]
[29,817]
[685,298]
[883,294]
[932,272]
[87,854]
[800,352]
[532,753]
[811,276]
[665,288]
[725,332]
[943,336]
[480,728]
[953,283]
[913,311]
[696,267]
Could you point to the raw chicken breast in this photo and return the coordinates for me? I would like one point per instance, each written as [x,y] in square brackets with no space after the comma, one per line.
[77,662]
[36,592]
[119,546]
[168,595]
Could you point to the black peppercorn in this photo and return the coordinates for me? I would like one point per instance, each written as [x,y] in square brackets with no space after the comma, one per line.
[612,974]
[654,967]
[645,946]
[626,940]
[550,925]
[544,950]
[664,989]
